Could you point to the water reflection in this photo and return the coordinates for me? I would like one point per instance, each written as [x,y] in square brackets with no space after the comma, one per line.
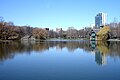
[101,49]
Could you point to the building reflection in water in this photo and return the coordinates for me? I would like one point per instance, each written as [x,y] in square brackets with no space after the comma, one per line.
[100,58]
[100,52]
[101,49]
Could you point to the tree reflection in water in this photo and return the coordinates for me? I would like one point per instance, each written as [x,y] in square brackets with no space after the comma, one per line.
[101,49]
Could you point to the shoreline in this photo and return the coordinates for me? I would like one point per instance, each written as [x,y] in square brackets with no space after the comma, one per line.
[113,40]
[117,40]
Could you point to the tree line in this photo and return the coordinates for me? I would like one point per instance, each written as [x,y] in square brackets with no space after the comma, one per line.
[9,31]
[115,29]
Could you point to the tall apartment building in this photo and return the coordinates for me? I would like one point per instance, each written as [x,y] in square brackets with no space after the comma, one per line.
[100,19]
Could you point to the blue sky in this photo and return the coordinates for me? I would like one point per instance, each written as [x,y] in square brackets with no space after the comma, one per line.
[57,13]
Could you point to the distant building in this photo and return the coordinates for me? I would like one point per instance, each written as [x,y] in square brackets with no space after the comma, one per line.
[92,26]
[93,34]
[47,29]
[100,19]
[48,32]
[59,32]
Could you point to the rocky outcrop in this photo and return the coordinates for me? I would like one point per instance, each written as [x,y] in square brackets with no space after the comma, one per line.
[28,37]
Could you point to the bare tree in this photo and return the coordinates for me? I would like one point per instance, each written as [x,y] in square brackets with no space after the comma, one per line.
[39,33]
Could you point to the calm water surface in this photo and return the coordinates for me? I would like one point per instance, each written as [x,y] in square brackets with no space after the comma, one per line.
[60,60]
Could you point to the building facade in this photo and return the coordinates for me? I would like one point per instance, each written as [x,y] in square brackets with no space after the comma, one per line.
[59,32]
[93,34]
[100,19]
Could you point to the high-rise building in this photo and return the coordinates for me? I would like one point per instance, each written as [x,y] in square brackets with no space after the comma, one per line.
[100,19]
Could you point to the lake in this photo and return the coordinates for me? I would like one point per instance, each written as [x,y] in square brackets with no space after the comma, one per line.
[60,60]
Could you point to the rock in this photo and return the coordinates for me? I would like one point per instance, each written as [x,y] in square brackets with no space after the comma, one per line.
[28,37]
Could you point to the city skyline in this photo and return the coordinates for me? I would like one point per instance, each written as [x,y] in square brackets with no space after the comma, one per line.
[57,14]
